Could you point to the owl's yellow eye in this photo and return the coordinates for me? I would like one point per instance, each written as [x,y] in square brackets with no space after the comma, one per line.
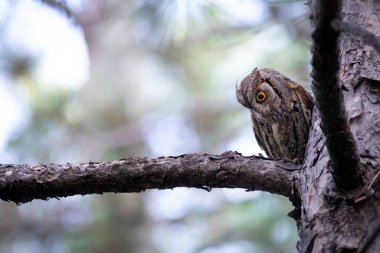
[261,96]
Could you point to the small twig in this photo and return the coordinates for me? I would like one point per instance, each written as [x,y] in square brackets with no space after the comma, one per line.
[368,37]
[373,180]
[366,191]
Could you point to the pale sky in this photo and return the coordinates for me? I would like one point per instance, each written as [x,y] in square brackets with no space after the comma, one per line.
[63,59]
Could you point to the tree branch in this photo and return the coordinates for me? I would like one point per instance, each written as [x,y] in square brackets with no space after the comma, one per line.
[329,99]
[23,183]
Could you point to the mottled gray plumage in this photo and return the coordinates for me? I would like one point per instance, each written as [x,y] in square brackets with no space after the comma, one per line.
[280,111]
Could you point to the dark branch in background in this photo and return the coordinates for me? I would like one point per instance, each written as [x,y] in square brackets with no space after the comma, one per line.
[329,99]
[368,37]
[59,5]
[23,183]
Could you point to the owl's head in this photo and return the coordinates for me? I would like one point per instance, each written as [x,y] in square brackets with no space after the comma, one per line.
[260,92]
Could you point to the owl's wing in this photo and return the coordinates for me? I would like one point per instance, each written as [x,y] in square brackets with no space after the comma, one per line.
[259,136]
[306,100]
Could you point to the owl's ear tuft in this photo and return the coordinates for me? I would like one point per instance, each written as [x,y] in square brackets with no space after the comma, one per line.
[255,70]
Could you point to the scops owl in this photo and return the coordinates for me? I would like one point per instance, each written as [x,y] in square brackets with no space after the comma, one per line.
[280,111]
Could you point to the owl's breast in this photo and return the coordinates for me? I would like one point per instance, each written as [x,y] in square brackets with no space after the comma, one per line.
[269,115]
[281,135]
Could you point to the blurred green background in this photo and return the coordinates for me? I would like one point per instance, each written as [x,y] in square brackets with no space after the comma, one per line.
[96,80]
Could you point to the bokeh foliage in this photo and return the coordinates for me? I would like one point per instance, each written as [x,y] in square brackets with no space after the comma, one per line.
[161,82]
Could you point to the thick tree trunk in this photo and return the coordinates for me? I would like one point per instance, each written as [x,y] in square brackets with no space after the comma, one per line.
[340,222]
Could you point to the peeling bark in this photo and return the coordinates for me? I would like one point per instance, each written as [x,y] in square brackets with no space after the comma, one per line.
[23,183]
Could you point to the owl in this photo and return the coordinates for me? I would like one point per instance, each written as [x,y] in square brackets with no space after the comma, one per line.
[280,112]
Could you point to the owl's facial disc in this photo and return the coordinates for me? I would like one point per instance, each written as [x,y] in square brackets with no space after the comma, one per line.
[263,94]
[265,101]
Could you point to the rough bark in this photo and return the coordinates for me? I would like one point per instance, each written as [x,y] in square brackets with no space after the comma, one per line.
[368,37]
[23,183]
[330,221]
